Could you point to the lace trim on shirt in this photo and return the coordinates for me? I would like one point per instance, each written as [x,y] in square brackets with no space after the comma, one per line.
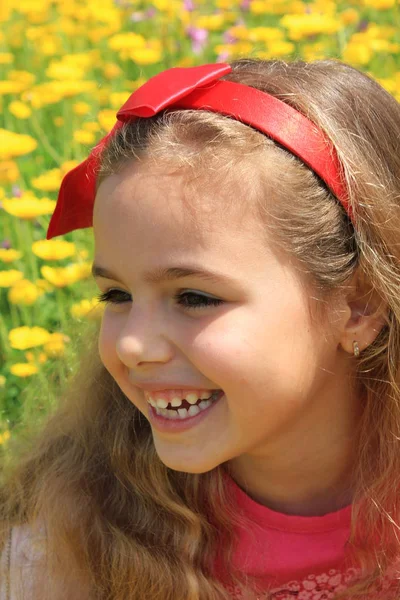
[324,586]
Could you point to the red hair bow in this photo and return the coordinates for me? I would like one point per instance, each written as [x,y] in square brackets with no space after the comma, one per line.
[201,88]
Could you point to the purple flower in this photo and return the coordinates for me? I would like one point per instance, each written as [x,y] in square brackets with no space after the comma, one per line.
[363,25]
[199,38]
[16,191]
[5,244]
[188,5]
[136,17]
[228,38]
[223,57]
[245,5]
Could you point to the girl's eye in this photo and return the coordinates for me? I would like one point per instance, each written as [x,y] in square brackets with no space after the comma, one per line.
[194,300]
[111,297]
[188,300]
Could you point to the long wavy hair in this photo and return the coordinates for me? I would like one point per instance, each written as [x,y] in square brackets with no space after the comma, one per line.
[115,517]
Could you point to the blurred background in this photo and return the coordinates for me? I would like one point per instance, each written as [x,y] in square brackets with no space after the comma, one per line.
[65,69]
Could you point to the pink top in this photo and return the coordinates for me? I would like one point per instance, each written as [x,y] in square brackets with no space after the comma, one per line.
[294,557]
[300,558]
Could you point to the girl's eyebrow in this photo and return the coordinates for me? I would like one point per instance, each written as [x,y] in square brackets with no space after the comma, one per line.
[169,273]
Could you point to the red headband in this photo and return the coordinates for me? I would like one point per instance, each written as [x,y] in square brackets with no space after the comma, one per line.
[201,88]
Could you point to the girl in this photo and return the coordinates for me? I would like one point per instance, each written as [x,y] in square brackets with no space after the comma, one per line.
[234,429]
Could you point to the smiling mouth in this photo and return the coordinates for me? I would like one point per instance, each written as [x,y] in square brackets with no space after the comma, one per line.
[186,410]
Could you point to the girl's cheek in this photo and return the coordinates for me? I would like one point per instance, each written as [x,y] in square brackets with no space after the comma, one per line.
[107,343]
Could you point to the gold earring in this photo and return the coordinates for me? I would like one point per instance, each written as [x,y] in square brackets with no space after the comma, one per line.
[356,349]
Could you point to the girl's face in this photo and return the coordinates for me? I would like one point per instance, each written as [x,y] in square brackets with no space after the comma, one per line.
[283,376]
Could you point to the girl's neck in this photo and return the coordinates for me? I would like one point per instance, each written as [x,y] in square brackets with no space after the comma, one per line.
[297,497]
[305,477]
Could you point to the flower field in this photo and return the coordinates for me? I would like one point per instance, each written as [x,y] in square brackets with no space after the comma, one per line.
[65,69]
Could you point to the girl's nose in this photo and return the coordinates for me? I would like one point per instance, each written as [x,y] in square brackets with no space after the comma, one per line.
[143,339]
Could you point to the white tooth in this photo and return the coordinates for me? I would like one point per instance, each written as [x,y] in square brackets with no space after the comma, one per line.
[162,411]
[192,398]
[193,410]
[161,403]
[205,395]
[172,414]
[175,402]
[183,413]
[204,404]
[152,401]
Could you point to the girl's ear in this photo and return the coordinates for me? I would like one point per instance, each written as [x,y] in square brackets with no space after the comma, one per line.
[366,314]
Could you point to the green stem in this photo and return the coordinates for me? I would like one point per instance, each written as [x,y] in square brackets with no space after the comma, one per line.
[32,259]
[14,317]
[4,338]
[60,307]
[44,140]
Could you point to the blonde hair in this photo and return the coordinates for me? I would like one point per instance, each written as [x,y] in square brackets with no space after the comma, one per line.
[138,529]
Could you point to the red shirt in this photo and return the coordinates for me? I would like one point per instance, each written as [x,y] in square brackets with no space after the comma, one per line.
[295,557]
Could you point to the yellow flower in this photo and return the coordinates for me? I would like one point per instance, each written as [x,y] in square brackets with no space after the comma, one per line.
[302,26]
[107,119]
[380,4]
[23,369]
[22,338]
[84,137]
[91,309]
[279,48]
[357,54]
[8,255]
[63,276]
[124,41]
[11,87]
[28,207]
[24,292]
[380,45]
[241,48]
[81,108]
[185,61]
[15,144]
[146,56]
[9,172]
[25,77]
[44,285]
[58,121]
[64,71]
[257,34]
[48,181]
[278,7]
[19,109]
[111,71]
[66,89]
[6,58]
[8,278]
[56,344]
[42,95]
[49,45]
[53,249]
[117,99]
[2,381]
[314,51]
[4,437]
[349,16]
[91,126]
[388,84]
[30,357]
[211,22]
[68,165]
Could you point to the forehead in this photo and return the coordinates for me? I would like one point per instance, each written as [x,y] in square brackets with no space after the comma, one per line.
[185,206]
